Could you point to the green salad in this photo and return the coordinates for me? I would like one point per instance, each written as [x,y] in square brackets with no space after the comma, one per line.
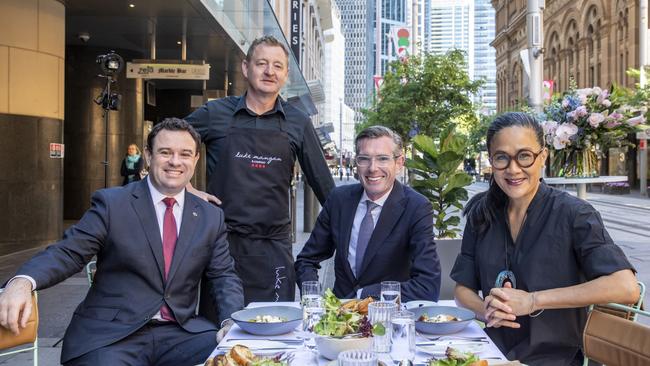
[338,322]
[455,358]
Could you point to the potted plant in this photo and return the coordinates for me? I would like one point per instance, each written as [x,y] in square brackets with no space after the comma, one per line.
[435,165]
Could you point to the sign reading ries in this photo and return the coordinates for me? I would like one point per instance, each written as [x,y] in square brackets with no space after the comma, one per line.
[294,39]
[167,71]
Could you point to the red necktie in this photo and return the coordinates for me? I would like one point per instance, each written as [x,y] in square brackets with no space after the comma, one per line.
[169,243]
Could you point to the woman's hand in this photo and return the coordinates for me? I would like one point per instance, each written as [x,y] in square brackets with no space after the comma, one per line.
[498,313]
[512,301]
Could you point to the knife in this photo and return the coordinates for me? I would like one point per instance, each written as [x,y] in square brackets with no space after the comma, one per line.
[450,343]
[283,340]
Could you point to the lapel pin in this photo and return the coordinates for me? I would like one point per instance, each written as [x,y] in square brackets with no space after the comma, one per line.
[195,214]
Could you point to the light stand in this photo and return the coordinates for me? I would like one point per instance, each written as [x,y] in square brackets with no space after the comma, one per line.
[111,64]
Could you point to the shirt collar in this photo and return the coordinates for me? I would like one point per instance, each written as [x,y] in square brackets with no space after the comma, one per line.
[241,105]
[380,201]
[157,197]
[541,193]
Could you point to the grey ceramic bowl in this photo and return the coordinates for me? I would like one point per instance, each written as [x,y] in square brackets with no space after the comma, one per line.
[243,319]
[465,316]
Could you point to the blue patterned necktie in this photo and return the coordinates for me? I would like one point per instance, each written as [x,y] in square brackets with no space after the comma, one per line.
[365,231]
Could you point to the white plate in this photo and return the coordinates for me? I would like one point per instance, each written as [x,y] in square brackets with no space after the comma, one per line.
[257,346]
[419,303]
[440,349]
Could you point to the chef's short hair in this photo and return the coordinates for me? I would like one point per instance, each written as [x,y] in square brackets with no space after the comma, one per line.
[267,40]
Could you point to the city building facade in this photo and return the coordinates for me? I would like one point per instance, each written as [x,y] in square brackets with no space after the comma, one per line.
[590,41]
[335,110]
[467,25]
[357,19]
[586,42]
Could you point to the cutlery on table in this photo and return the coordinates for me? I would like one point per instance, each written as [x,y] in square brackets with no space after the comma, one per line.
[451,342]
[450,337]
[282,340]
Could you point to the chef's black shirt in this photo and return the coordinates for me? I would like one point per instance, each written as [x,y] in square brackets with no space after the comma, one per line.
[562,242]
[214,118]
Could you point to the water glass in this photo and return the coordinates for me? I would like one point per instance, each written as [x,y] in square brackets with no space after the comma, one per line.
[312,310]
[310,288]
[380,312]
[403,335]
[355,357]
[391,291]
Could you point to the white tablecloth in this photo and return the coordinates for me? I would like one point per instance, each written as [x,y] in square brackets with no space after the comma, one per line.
[490,350]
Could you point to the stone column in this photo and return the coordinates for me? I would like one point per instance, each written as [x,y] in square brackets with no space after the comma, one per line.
[32,57]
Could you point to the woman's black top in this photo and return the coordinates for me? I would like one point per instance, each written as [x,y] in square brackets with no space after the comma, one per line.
[562,242]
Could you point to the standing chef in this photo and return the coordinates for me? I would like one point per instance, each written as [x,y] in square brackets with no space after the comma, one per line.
[252,142]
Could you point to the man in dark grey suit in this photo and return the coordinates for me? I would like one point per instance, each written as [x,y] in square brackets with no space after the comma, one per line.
[154,242]
[380,229]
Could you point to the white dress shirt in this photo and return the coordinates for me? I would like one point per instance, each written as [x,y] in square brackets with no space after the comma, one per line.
[362,208]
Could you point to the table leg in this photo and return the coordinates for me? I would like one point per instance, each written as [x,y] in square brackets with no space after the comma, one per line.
[582,191]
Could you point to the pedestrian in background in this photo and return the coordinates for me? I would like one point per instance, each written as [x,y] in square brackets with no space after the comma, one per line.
[539,255]
[132,165]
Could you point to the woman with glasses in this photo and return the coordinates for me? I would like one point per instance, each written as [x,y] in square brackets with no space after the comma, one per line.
[539,255]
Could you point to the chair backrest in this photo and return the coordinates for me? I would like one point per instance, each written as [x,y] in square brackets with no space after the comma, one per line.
[28,335]
[91,268]
[447,250]
[613,337]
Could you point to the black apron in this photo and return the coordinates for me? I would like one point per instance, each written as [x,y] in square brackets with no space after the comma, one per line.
[252,179]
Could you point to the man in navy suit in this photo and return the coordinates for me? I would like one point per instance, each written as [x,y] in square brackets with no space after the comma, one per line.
[380,229]
[154,242]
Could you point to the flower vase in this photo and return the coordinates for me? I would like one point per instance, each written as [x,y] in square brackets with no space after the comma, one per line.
[581,163]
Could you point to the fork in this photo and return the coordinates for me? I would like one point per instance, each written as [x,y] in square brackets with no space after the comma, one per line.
[451,337]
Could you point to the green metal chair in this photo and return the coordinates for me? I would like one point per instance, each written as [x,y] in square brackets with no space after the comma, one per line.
[33,346]
[613,335]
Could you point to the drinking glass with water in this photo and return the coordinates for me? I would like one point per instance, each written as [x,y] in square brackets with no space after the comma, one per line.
[380,312]
[312,309]
[391,291]
[403,335]
[357,357]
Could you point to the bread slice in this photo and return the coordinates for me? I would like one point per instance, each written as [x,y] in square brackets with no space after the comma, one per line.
[241,354]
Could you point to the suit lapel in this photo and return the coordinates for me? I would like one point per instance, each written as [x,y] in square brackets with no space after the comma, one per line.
[146,213]
[390,213]
[349,209]
[188,227]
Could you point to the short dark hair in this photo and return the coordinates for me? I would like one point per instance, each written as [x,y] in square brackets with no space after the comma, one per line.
[375,132]
[173,124]
[268,40]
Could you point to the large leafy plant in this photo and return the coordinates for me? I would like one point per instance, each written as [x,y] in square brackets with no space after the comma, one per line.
[435,165]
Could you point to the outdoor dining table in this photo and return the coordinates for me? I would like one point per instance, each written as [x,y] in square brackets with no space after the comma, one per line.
[489,350]
[581,183]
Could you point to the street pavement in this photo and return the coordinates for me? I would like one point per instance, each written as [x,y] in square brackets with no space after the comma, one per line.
[626,217]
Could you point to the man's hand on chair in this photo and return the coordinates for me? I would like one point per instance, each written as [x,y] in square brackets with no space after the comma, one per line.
[16,304]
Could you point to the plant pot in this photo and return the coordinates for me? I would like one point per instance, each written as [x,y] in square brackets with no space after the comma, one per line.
[448,250]
[581,163]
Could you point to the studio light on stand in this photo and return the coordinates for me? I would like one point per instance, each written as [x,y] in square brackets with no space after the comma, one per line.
[110,64]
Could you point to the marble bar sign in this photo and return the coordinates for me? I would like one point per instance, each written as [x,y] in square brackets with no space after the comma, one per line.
[167,71]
